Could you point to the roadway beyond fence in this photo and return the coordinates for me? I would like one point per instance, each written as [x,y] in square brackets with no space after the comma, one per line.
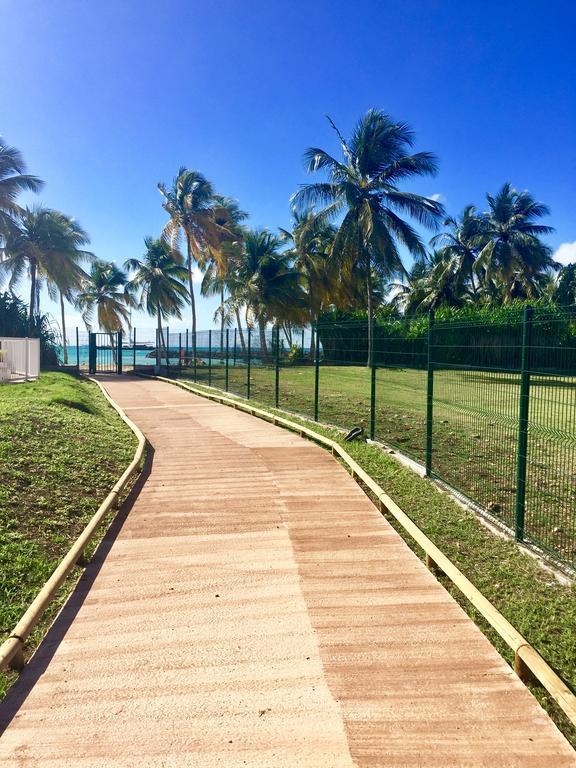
[255,609]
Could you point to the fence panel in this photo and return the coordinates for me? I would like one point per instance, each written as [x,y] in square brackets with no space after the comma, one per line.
[550,500]
[475,413]
[344,375]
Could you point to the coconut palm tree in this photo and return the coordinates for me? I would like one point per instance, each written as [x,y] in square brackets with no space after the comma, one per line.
[514,261]
[191,204]
[44,245]
[433,282]
[13,181]
[363,188]
[460,244]
[158,279]
[311,241]
[104,292]
[268,284]
[229,217]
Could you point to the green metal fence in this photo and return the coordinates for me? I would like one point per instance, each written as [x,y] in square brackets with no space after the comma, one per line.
[487,409]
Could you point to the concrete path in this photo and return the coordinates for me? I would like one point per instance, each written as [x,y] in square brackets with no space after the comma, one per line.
[256,610]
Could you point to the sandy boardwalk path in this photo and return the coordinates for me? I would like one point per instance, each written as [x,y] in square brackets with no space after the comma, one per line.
[253,608]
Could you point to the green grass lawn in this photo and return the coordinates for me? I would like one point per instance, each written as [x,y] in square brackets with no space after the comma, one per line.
[62,447]
[532,599]
[475,431]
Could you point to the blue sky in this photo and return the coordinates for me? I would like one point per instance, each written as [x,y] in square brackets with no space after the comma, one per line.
[106,99]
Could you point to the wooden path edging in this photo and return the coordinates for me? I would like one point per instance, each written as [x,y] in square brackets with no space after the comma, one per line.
[12,650]
[528,663]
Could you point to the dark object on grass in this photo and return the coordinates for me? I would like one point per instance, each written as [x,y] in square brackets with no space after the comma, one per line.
[355,434]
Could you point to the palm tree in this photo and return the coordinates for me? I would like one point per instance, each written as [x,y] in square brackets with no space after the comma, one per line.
[191,203]
[311,242]
[514,260]
[13,181]
[61,266]
[363,188]
[433,282]
[45,245]
[105,293]
[269,286]
[461,243]
[229,217]
[159,279]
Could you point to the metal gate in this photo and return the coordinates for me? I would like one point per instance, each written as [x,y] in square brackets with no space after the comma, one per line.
[105,352]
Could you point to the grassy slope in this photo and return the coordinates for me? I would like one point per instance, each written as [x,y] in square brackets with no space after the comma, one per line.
[540,607]
[62,447]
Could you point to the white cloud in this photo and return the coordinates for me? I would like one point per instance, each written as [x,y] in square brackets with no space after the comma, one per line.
[437,197]
[566,253]
[197,275]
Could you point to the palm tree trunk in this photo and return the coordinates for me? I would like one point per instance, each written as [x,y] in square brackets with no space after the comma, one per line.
[32,296]
[191,285]
[240,331]
[262,330]
[64,344]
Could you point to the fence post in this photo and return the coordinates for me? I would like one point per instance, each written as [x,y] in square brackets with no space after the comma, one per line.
[167,350]
[524,412]
[180,350]
[430,394]
[302,345]
[227,356]
[77,350]
[134,351]
[194,356]
[316,372]
[372,382]
[277,371]
[248,365]
[119,353]
[234,350]
[210,358]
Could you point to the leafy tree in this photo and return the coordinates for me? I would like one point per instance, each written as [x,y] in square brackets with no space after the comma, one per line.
[311,241]
[13,181]
[459,246]
[363,188]
[267,283]
[44,245]
[104,292]
[514,262]
[565,289]
[192,207]
[159,280]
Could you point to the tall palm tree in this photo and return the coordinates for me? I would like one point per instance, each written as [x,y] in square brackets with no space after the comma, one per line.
[159,279]
[104,293]
[229,217]
[514,260]
[44,244]
[13,181]
[460,244]
[269,285]
[363,188]
[311,241]
[190,203]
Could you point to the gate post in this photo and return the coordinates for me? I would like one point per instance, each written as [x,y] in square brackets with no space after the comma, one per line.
[91,352]
[119,353]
